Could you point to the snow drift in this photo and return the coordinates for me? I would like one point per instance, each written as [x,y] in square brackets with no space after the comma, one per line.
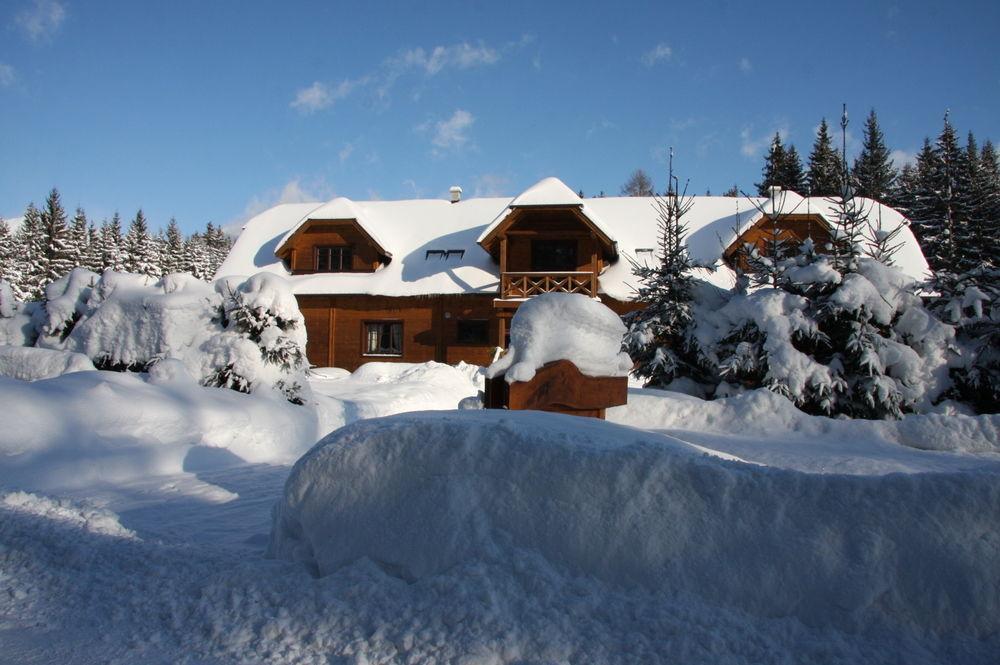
[30,364]
[419,494]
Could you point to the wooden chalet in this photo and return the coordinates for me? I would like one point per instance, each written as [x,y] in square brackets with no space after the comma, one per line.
[423,280]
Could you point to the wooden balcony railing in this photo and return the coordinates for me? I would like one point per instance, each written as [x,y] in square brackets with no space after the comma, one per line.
[514,285]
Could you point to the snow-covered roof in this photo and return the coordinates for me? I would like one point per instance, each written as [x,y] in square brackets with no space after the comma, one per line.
[410,228]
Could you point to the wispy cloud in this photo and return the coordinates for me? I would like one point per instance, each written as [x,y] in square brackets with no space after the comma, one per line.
[42,20]
[345,153]
[901,158]
[294,191]
[752,144]
[603,125]
[450,134]
[7,75]
[319,96]
[656,54]
[460,56]
[745,65]
[490,184]
[426,62]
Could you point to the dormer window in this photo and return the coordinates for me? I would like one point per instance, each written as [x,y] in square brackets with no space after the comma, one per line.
[334,258]
[553,255]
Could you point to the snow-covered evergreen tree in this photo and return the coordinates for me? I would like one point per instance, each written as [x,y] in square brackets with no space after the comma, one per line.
[11,266]
[140,248]
[873,172]
[58,249]
[172,254]
[79,239]
[112,245]
[659,338]
[824,173]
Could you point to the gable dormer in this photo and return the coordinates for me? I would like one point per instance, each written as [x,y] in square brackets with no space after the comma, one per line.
[548,228]
[335,237]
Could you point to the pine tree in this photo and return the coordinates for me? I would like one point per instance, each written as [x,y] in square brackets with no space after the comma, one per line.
[873,172]
[989,213]
[824,165]
[140,249]
[92,259]
[638,184]
[58,250]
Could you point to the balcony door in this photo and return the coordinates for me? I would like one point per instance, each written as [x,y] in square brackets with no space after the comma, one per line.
[553,255]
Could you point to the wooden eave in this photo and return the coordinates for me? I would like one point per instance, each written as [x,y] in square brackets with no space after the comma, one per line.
[282,251]
[489,243]
[813,217]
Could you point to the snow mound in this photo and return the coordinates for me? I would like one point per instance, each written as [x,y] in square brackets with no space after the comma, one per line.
[88,518]
[30,364]
[113,427]
[563,326]
[420,494]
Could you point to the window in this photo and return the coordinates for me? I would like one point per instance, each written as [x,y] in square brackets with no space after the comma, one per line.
[384,338]
[553,255]
[333,259]
[472,331]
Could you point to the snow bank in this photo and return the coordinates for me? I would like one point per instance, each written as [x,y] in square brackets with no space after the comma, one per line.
[802,441]
[422,493]
[30,364]
[563,326]
[88,428]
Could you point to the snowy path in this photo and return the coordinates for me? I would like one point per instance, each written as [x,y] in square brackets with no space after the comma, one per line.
[170,568]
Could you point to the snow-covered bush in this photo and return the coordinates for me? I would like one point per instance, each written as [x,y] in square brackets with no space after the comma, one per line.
[244,334]
[859,344]
[17,319]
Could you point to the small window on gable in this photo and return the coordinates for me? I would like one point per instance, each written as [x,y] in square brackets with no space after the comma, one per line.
[472,331]
[383,338]
[334,259]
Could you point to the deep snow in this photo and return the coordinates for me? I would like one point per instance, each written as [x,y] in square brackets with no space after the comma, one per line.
[103,560]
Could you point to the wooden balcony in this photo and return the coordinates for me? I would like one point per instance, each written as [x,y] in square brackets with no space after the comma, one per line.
[522,285]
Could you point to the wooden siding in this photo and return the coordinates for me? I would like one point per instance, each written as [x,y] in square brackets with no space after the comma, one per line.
[549,224]
[301,248]
[336,337]
[793,229]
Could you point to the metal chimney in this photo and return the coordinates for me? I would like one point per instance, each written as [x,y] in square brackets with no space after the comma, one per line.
[456,193]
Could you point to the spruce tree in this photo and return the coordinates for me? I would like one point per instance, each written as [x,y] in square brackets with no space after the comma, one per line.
[31,243]
[58,250]
[873,172]
[824,165]
[112,245]
[791,176]
[172,256]
[773,164]
[660,336]
[10,261]
[140,249]
[79,235]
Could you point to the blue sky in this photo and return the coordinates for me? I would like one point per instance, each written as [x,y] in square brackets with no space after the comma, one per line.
[212,110]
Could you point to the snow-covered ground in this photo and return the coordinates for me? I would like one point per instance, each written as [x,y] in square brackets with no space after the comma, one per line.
[136,510]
